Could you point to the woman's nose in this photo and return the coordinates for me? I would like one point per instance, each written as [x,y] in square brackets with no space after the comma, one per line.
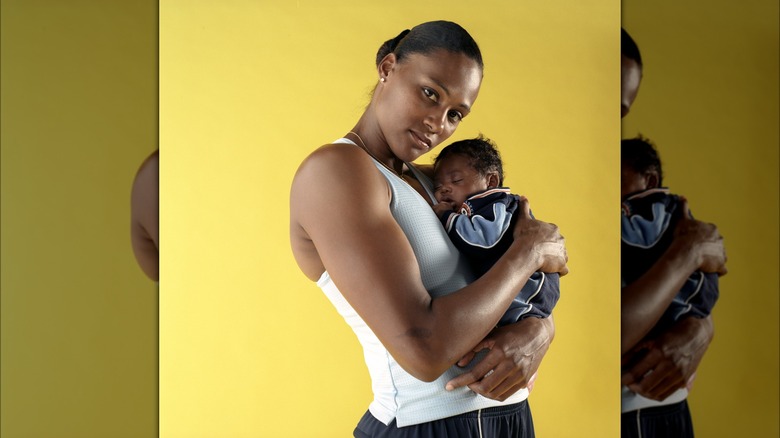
[435,122]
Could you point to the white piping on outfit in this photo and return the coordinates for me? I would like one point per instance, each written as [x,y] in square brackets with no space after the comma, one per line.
[638,423]
[479,422]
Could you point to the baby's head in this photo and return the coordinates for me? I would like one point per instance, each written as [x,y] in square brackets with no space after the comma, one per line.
[466,167]
[640,166]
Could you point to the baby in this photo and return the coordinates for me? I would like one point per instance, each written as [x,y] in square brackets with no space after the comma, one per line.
[477,213]
[649,215]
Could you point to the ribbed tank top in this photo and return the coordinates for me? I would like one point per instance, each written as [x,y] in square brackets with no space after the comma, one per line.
[397,394]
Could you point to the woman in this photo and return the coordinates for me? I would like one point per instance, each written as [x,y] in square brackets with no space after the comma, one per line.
[659,369]
[362,227]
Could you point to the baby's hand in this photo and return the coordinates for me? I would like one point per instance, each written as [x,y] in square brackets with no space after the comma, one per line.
[443,207]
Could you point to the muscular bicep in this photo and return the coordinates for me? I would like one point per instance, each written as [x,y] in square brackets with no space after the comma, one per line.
[342,202]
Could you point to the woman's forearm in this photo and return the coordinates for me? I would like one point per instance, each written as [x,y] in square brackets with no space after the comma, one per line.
[460,320]
[369,257]
[644,301]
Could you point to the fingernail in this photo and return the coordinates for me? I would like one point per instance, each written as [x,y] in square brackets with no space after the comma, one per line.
[449,387]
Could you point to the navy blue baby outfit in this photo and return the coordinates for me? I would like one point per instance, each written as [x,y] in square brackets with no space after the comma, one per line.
[482,231]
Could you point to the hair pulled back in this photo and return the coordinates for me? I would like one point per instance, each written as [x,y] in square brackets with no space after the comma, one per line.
[431,36]
[628,47]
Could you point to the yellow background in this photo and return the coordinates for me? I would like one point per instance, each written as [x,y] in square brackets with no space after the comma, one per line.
[248,345]
[256,339]
[709,99]
[79,318]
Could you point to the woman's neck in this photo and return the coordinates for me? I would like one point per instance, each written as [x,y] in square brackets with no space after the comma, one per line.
[367,135]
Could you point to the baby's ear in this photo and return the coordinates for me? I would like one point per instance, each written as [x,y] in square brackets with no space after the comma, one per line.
[492,180]
[652,180]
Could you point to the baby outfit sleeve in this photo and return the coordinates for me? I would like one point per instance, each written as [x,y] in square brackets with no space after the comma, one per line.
[479,226]
[482,232]
[536,299]
[647,228]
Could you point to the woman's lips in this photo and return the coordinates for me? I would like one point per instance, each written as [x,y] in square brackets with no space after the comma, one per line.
[421,141]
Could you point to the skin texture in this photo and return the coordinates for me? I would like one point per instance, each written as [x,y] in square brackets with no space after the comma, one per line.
[696,246]
[144,216]
[670,358]
[630,77]
[417,106]
[456,179]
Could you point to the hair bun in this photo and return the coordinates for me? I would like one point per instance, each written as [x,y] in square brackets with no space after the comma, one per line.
[389,46]
[428,37]
[394,42]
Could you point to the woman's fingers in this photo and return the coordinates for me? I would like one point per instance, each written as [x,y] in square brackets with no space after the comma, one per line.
[685,208]
[658,383]
[703,239]
[480,370]
[525,208]
[465,360]
[493,380]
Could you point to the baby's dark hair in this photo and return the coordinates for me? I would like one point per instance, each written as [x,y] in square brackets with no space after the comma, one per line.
[640,155]
[428,37]
[628,47]
[482,153]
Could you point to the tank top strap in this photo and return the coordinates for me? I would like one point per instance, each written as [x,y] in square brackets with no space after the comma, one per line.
[424,181]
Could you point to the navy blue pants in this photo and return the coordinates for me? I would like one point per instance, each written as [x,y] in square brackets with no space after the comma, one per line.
[672,421]
[510,421]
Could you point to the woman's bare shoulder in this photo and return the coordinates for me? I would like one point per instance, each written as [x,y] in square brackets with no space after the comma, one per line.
[333,182]
[335,154]
[338,165]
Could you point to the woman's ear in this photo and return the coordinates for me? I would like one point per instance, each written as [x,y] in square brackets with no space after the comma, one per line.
[385,66]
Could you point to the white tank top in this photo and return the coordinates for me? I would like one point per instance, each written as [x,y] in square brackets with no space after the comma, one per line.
[396,393]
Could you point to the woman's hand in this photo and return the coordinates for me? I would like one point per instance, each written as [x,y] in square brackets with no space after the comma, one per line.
[542,239]
[516,350]
[696,246]
[703,239]
[668,362]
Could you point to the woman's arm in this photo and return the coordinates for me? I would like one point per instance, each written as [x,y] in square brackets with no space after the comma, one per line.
[341,203]
[669,361]
[696,246]
[144,216]
[516,351]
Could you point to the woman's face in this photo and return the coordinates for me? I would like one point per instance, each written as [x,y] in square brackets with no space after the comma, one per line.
[630,76]
[423,99]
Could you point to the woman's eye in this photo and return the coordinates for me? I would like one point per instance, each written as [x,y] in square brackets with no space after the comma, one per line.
[430,94]
[455,116]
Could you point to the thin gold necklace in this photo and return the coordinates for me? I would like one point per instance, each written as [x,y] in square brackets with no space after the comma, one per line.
[363,146]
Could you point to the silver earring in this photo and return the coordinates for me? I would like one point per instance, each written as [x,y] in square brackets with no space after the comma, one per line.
[382,79]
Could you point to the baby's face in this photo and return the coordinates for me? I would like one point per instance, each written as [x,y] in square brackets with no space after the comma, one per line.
[631,181]
[455,180]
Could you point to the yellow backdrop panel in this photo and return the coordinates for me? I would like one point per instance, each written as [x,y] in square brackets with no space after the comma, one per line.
[249,346]
[79,318]
[709,99]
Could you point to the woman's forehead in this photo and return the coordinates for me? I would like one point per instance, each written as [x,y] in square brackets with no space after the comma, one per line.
[453,70]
